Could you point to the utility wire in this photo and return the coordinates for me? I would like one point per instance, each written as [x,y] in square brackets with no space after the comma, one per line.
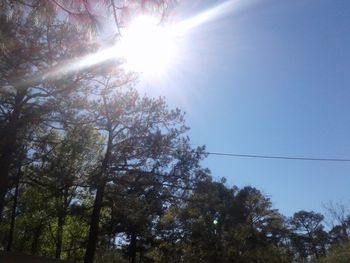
[279,157]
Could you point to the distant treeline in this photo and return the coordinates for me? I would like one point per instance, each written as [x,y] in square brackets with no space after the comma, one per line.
[91,171]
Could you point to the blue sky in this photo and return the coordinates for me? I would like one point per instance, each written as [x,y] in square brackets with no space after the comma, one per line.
[270,77]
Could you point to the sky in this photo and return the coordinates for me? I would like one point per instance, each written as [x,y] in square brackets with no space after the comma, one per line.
[268,77]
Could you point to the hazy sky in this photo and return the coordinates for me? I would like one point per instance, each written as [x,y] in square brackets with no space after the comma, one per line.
[269,77]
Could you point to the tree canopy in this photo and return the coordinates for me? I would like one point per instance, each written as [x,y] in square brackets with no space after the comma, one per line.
[93,171]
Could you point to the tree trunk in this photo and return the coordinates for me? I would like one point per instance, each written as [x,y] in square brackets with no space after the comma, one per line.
[59,234]
[95,219]
[8,141]
[13,213]
[132,248]
[70,248]
[61,219]
[36,239]
[5,165]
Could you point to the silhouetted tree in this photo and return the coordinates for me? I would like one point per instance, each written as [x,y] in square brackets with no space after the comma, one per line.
[309,236]
[27,99]
[143,138]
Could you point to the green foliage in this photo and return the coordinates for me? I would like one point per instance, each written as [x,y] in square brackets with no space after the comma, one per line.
[337,254]
[245,231]
[87,163]
[308,236]
[33,221]
[114,256]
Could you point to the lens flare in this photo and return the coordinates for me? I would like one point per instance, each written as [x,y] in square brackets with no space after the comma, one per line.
[207,16]
[147,46]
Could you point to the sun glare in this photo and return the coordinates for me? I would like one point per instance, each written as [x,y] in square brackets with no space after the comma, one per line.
[147,46]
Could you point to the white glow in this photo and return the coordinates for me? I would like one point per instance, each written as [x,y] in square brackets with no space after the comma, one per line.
[206,16]
[147,46]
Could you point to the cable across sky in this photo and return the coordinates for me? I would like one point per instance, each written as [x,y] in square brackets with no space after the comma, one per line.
[296,158]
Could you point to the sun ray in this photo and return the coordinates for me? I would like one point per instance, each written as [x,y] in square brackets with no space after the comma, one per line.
[207,16]
[146,46]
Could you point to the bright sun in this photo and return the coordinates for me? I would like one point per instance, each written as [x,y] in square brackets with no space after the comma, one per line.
[147,46]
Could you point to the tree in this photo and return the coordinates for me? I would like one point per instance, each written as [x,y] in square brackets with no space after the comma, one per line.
[135,204]
[338,217]
[65,165]
[263,230]
[220,224]
[33,76]
[32,220]
[21,154]
[339,254]
[308,234]
[144,139]
[87,13]
[27,98]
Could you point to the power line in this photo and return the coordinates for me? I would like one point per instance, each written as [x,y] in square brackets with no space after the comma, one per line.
[279,157]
